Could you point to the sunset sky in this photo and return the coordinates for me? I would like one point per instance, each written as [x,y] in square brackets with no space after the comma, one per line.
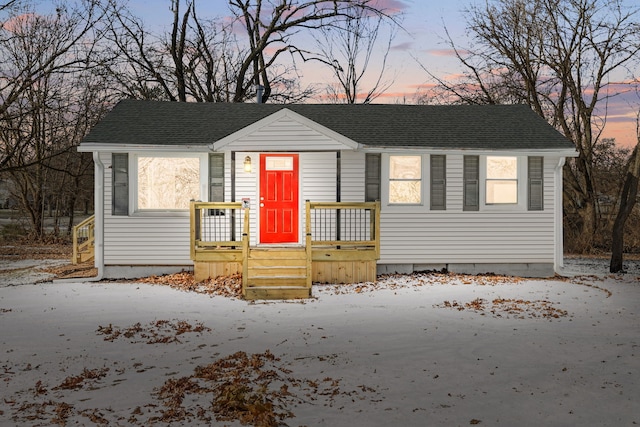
[420,44]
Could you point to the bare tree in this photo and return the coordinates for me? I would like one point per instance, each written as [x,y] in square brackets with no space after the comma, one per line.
[8,4]
[215,58]
[33,46]
[198,59]
[202,59]
[348,49]
[271,29]
[45,58]
[559,57]
[628,199]
[139,64]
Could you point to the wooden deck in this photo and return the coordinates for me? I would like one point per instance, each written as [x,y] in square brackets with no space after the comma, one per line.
[341,246]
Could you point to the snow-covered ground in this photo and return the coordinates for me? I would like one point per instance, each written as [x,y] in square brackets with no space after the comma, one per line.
[422,350]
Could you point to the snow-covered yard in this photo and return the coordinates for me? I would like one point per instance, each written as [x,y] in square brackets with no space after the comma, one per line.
[422,350]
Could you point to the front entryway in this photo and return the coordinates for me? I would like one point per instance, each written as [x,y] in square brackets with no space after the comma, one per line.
[279,205]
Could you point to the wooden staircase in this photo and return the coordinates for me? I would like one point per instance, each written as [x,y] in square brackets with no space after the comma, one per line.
[277,273]
[84,241]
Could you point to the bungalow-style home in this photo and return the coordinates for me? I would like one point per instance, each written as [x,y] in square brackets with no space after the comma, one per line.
[288,195]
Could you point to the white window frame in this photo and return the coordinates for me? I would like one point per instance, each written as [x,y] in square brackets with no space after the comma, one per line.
[522,195]
[385,180]
[421,180]
[133,179]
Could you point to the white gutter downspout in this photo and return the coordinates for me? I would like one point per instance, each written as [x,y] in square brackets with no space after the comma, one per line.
[557,212]
[99,214]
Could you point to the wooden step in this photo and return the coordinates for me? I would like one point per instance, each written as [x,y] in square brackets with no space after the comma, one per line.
[277,292]
[86,256]
[269,262]
[278,253]
[284,281]
[277,273]
[276,270]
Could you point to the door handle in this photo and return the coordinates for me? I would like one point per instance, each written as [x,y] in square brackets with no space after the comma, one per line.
[262,205]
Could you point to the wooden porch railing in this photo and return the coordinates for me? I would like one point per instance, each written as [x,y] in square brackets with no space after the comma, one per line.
[224,228]
[340,226]
[219,231]
[84,240]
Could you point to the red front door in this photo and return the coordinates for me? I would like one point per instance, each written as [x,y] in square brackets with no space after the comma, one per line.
[278,198]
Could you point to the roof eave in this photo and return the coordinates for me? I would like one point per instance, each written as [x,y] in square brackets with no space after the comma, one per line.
[561,152]
[92,147]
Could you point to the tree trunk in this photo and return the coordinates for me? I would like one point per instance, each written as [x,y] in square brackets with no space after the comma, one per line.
[70,206]
[627,202]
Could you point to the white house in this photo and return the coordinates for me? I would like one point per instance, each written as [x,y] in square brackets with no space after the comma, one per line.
[470,189]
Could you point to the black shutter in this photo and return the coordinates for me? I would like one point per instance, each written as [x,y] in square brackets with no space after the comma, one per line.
[471,178]
[120,184]
[372,177]
[216,177]
[438,182]
[536,183]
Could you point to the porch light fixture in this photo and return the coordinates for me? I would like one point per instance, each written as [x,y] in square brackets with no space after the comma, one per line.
[247,164]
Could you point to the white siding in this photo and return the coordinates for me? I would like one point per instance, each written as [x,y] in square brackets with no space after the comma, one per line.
[465,237]
[142,240]
[408,235]
[246,187]
[318,181]
[318,177]
[420,236]
[352,176]
[285,134]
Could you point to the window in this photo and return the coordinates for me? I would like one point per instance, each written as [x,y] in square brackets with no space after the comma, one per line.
[167,183]
[502,180]
[438,182]
[372,177]
[405,179]
[509,181]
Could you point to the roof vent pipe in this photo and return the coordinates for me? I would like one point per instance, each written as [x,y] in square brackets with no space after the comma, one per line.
[259,93]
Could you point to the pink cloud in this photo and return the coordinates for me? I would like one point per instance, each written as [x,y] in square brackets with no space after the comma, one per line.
[624,131]
[15,23]
[454,77]
[396,95]
[389,6]
[443,52]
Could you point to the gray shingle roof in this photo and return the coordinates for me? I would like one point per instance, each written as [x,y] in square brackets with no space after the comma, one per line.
[382,125]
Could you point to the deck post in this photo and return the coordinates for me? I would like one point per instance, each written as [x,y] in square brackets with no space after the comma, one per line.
[377,229]
[245,251]
[308,248]
[193,228]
